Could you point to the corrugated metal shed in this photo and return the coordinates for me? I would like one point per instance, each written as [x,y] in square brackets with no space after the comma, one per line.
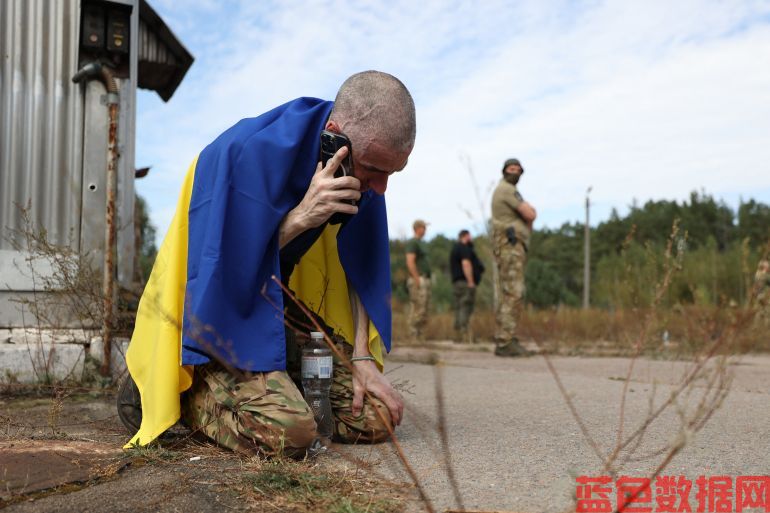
[53,133]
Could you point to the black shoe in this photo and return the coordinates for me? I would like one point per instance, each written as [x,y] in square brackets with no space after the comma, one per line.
[129,405]
[511,348]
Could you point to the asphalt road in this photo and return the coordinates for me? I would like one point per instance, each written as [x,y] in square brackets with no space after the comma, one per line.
[514,444]
[516,447]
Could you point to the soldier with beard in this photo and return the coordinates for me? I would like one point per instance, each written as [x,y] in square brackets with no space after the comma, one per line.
[466,269]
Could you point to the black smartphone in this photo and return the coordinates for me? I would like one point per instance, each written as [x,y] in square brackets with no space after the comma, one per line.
[330,144]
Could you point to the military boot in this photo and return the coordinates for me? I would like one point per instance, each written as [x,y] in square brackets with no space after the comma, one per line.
[129,404]
[511,348]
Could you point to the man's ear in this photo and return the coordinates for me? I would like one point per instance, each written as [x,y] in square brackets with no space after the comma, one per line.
[332,126]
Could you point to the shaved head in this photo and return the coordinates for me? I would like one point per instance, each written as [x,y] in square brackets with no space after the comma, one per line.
[376,105]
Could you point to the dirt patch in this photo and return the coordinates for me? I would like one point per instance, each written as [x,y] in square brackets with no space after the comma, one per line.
[30,466]
[63,454]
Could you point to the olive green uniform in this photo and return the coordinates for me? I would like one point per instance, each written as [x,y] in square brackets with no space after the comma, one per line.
[419,290]
[510,241]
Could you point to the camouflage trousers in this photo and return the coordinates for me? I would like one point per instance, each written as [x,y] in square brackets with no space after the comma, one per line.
[419,301]
[265,411]
[511,260]
[464,302]
[763,308]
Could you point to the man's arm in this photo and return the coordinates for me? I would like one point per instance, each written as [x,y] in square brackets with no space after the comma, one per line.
[411,266]
[468,272]
[527,213]
[366,375]
[325,196]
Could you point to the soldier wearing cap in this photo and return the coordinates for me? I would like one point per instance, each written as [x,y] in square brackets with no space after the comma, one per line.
[512,219]
[418,281]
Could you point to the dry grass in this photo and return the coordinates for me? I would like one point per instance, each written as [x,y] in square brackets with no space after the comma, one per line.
[303,487]
[279,484]
[572,331]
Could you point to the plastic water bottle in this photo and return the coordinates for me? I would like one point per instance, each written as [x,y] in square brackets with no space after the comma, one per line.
[317,380]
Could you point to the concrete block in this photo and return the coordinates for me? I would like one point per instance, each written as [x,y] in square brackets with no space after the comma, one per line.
[29,363]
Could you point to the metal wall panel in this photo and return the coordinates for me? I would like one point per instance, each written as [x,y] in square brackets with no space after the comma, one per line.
[94,191]
[41,117]
[127,164]
[53,142]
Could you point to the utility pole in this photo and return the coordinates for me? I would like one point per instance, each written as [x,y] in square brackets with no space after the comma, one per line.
[587,255]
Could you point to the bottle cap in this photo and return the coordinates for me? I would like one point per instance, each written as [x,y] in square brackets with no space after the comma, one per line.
[316,335]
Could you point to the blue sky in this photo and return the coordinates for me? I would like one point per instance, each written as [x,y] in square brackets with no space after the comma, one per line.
[641,100]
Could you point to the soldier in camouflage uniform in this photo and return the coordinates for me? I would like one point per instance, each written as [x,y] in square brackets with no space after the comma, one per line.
[512,219]
[762,291]
[418,281]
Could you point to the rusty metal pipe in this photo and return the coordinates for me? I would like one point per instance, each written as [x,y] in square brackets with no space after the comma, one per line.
[94,70]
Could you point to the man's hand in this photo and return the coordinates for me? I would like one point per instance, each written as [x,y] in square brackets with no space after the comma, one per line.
[325,196]
[367,376]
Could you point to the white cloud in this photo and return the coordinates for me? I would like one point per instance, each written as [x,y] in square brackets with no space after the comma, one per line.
[650,101]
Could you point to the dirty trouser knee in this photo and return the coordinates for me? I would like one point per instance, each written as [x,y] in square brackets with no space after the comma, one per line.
[258,412]
[367,427]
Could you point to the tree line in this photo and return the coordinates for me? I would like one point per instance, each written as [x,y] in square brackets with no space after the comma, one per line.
[717,247]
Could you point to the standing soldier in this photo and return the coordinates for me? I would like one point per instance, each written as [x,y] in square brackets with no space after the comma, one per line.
[418,281]
[512,219]
[466,269]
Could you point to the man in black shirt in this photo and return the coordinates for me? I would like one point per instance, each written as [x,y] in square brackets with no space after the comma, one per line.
[466,270]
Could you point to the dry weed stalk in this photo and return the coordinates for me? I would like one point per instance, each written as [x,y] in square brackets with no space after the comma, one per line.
[72,291]
[54,411]
[672,264]
[708,375]
[67,293]
[465,159]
